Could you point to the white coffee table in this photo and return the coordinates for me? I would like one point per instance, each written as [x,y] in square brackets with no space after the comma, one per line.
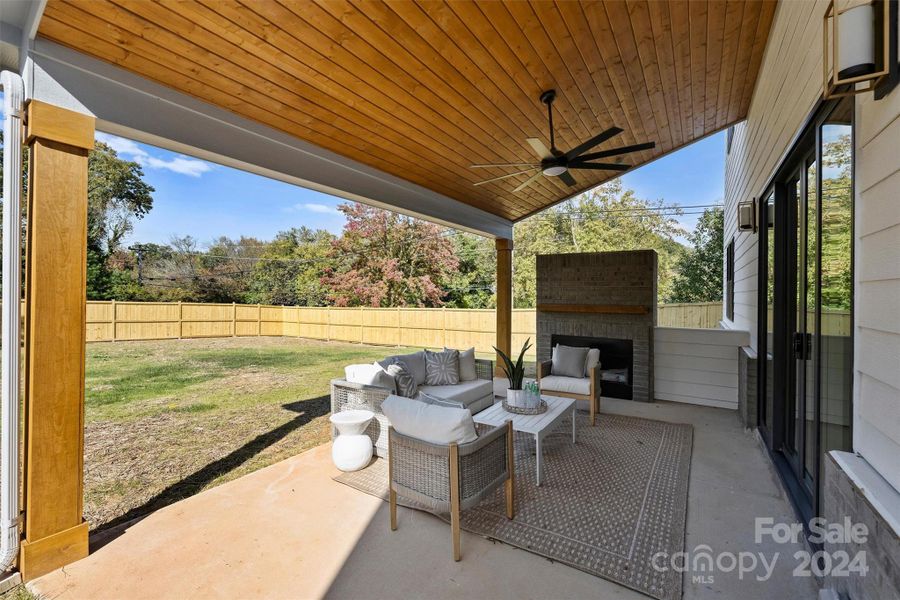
[537,425]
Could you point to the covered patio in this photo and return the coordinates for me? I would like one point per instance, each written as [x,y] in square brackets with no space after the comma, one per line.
[389,104]
[290,530]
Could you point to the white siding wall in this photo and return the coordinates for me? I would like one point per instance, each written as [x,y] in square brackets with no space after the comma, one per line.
[697,366]
[876,386]
[789,84]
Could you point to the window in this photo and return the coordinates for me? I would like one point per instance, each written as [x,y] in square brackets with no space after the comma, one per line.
[729,281]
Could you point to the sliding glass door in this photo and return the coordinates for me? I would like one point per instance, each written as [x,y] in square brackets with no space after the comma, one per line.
[805,305]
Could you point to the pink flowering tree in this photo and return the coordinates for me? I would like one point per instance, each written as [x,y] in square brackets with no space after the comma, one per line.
[386,259]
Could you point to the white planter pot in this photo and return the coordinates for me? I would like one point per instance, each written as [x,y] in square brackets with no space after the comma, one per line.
[515,398]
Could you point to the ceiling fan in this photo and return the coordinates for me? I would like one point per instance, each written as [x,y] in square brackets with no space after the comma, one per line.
[556,163]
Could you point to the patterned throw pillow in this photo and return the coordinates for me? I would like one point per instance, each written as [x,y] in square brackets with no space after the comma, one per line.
[442,368]
[406,385]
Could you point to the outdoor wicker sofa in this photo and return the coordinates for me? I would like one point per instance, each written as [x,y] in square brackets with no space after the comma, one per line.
[346,395]
[451,477]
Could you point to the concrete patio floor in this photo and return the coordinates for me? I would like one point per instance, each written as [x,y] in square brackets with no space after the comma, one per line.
[289,531]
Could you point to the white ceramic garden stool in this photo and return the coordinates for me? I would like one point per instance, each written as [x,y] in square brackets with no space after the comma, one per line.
[352,449]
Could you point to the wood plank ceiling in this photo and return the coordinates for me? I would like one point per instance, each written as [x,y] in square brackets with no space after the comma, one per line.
[423,90]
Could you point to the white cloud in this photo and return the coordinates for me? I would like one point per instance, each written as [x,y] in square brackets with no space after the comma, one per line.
[180,164]
[322,209]
[122,146]
[131,150]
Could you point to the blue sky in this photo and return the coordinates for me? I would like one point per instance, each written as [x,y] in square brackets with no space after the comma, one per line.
[206,200]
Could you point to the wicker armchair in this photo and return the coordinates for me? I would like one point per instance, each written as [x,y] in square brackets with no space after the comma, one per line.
[352,396]
[451,478]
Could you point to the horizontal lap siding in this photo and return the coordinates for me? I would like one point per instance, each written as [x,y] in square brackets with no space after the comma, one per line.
[876,386]
[789,83]
[698,366]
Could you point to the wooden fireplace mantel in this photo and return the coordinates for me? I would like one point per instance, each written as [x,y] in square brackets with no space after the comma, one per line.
[607,309]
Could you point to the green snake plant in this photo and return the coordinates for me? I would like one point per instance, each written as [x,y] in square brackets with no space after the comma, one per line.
[515,372]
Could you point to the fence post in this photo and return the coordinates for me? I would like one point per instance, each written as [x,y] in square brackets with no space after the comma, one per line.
[327,323]
[258,320]
[362,326]
[443,327]
[113,304]
[399,328]
[180,321]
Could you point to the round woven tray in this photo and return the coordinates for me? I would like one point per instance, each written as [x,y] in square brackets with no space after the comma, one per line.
[525,411]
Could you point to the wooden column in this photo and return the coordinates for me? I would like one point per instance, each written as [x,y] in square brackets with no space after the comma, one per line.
[504,300]
[55,532]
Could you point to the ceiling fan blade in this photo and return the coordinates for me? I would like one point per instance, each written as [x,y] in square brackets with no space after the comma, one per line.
[617,151]
[539,148]
[530,180]
[567,179]
[505,176]
[600,166]
[501,165]
[597,139]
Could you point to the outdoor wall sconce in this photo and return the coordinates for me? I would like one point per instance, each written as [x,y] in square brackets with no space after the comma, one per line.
[855,48]
[747,215]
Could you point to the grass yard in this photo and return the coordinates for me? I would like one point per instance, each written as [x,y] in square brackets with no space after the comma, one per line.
[167,419]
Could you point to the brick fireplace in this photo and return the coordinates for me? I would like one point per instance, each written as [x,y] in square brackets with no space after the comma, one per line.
[609,295]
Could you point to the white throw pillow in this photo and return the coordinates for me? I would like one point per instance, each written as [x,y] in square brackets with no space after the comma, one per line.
[569,361]
[372,374]
[467,370]
[593,359]
[429,422]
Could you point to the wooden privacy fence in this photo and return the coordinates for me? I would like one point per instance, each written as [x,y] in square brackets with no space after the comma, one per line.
[428,327]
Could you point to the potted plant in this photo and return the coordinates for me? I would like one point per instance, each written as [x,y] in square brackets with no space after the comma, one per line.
[515,373]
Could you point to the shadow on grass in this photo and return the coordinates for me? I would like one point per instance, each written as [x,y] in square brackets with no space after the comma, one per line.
[307,411]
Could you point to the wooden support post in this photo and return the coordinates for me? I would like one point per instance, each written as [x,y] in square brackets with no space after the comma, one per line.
[55,532]
[234,319]
[258,320]
[504,300]
[180,320]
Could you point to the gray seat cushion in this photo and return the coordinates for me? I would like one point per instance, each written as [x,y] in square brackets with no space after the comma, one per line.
[571,385]
[466,392]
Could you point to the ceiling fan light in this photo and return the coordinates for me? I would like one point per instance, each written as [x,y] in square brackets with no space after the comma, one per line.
[554,170]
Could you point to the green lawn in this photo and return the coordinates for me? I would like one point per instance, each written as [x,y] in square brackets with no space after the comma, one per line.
[165,420]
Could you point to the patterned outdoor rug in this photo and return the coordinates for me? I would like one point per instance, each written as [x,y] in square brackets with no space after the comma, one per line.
[606,504]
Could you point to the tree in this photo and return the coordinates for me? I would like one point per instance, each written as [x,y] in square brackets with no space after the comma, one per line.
[117,194]
[291,269]
[698,275]
[606,218]
[386,259]
[473,285]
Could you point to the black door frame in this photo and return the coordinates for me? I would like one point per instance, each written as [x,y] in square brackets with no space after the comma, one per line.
[807,503]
